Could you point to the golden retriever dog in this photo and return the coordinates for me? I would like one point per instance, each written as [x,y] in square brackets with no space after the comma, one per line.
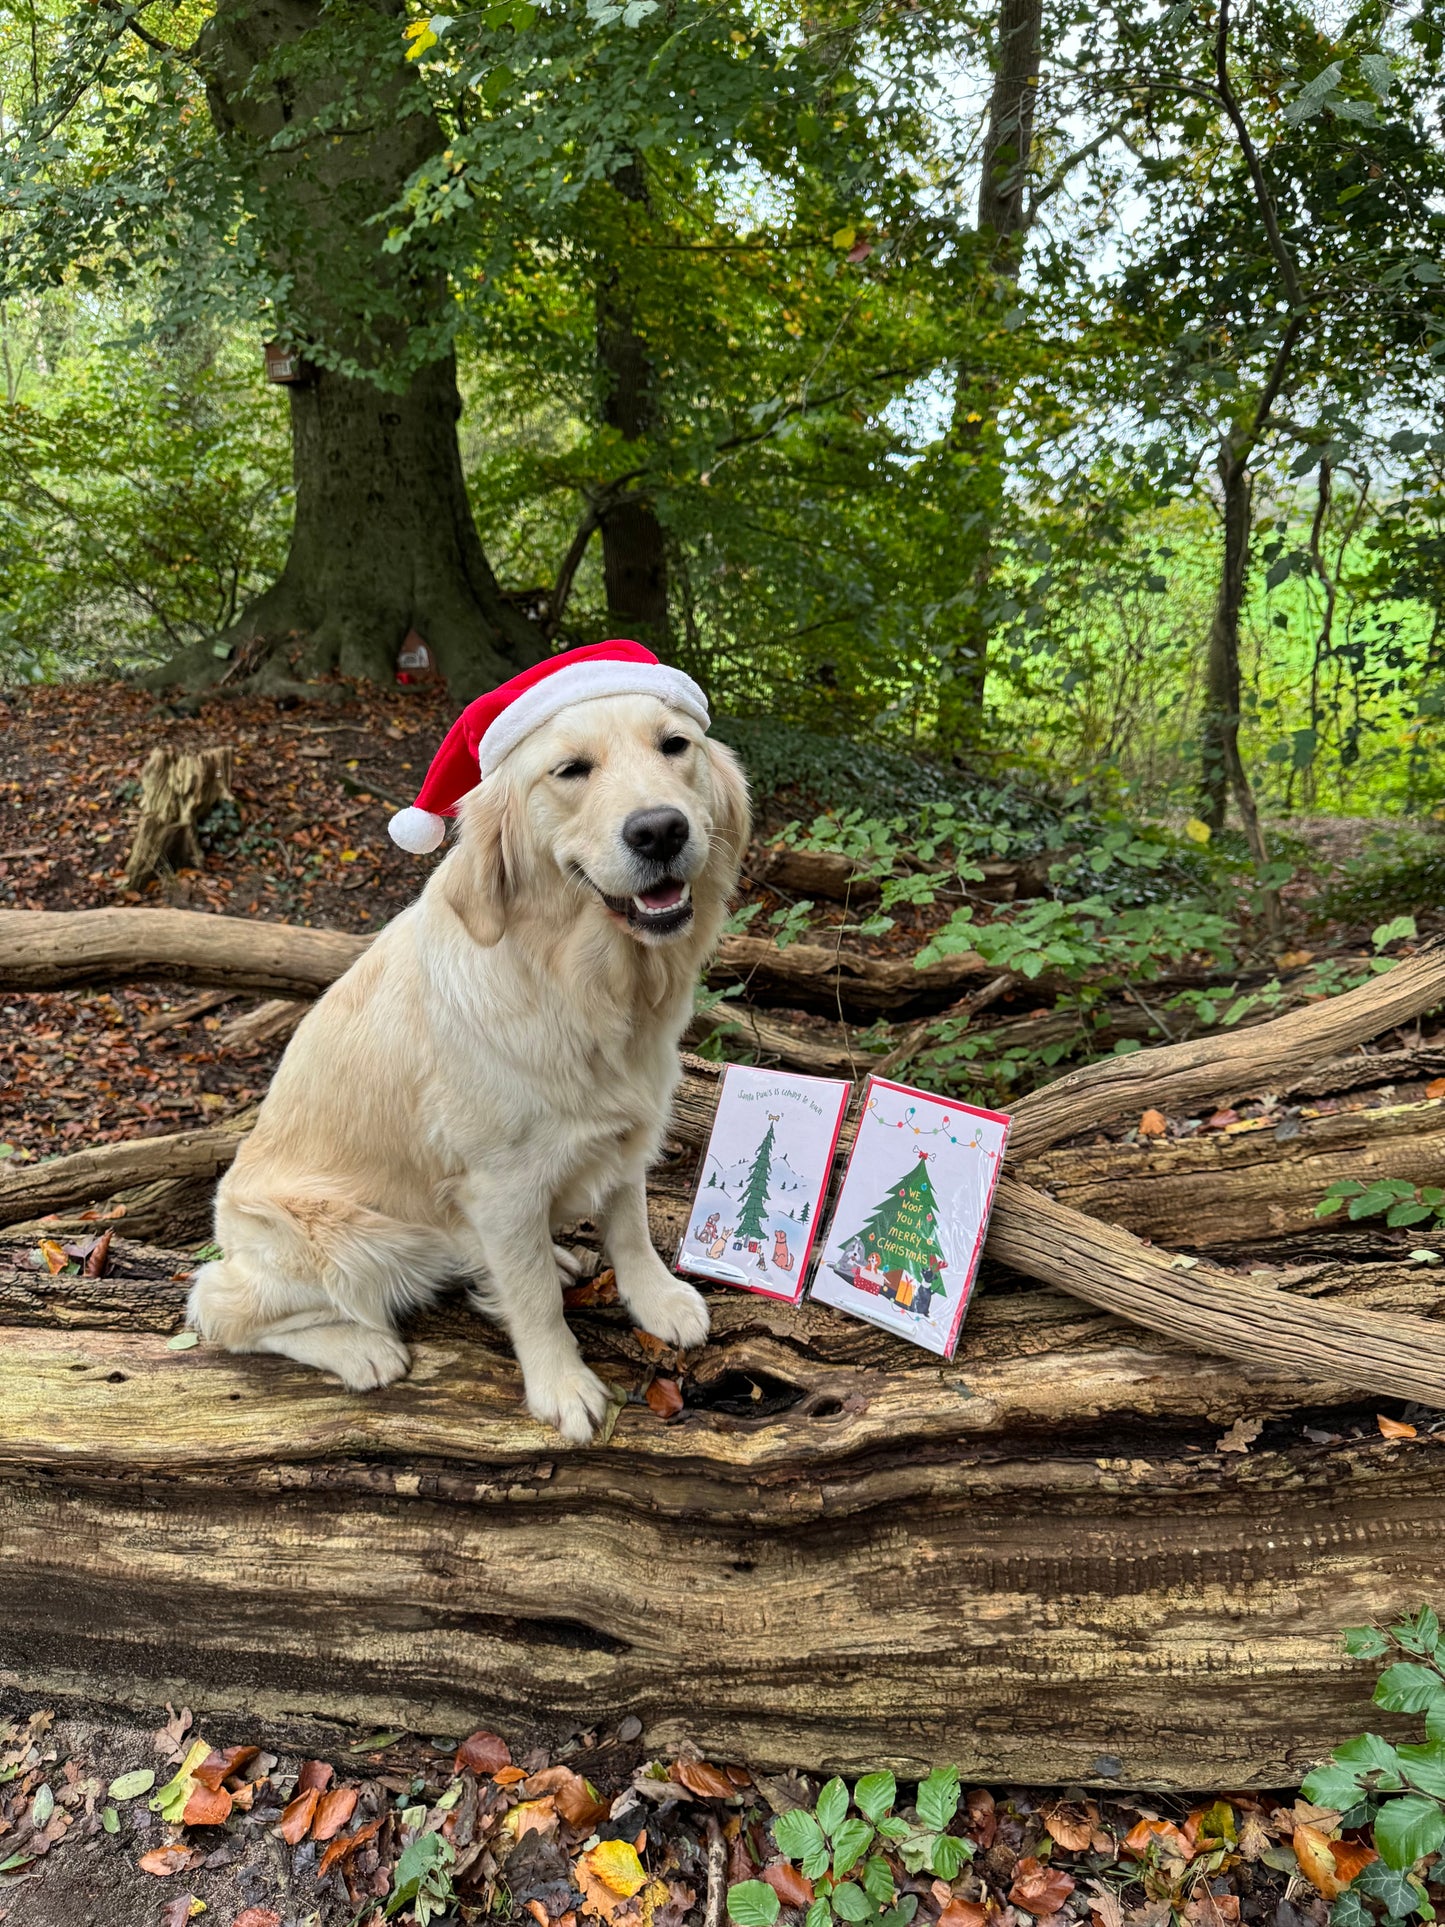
[502,1058]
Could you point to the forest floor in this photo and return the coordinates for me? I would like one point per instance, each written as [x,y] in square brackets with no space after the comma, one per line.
[307,844]
[275,1840]
[256,1839]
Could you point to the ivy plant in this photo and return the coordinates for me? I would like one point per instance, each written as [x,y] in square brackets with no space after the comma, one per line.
[1397,1790]
[1399,1203]
[845,1855]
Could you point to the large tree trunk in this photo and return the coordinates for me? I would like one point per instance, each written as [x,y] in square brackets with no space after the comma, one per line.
[324,133]
[634,545]
[975,440]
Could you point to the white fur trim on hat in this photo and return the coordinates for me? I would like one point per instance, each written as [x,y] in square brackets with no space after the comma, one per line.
[417,831]
[579,683]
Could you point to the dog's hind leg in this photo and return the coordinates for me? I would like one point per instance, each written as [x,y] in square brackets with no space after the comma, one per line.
[247,1308]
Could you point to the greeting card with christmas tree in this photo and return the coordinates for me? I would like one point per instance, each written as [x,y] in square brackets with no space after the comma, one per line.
[904,1244]
[763,1178]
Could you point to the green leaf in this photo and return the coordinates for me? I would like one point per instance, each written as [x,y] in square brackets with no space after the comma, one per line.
[1407,1828]
[170,1802]
[129,1786]
[878,1881]
[1424,1767]
[891,1827]
[1421,1634]
[1370,1754]
[1332,1786]
[875,1794]
[1408,1214]
[949,1854]
[183,1341]
[1397,928]
[752,1903]
[110,1819]
[832,1806]
[43,1805]
[1409,1688]
[815,1864]
[797,1834]
[851,1903]
[1350,1911]
[1381,1882]
[819,1913]
[850,1841]
[938,1798]
[1365,1642]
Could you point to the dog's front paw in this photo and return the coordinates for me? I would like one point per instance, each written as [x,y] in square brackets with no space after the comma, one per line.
[666,1307]
[570,1397]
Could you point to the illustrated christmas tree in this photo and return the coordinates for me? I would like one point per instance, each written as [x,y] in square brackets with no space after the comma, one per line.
[903,1230]
[753,1209]
[803,1214]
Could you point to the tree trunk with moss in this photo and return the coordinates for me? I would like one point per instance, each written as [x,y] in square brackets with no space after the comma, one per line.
[324,125]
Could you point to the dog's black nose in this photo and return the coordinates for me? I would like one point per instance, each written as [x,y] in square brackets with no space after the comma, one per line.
[658,834]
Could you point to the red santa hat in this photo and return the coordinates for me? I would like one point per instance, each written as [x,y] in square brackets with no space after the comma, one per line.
[491,727]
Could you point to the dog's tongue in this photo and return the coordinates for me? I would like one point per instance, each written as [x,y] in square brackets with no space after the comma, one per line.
[662,896]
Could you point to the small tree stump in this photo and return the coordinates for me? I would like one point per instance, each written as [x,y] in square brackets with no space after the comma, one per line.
[177,788]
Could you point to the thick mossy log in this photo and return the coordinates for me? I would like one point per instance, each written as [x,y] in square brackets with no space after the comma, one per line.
[845,1553]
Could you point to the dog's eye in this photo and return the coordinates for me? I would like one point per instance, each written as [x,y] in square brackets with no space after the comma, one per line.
[575,769]
[674,745]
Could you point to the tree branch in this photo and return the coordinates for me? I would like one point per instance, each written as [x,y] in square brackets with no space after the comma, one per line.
[1283,258]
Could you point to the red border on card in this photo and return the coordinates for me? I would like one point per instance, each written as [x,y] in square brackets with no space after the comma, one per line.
[845,1090]
[969,1110]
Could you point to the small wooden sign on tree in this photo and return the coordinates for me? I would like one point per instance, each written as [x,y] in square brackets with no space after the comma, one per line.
[909,1225]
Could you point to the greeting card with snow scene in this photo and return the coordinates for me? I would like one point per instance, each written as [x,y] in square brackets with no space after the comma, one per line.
[904,1244]
[762,1181]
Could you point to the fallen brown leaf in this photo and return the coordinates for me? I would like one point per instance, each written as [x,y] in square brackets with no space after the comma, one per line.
[296,1820]
[1105,1907]
[221,1764]
[484,1753]
[1206,1909]
[314,1773]
[1068,1828]
[1153,1124]
[98,1256]
[962,1913]
[1143,1833]
[707,1782]
[177,1912]
[1315,1855]
[1039,1889]
[982,1819]
[207,1807]
[794,1889]
[1436,1087]
[1394,1428]
[333,1811]
[508,1775]
[54,1256]
[650,1347]
[1254,1841]
[1240,1436]
[162,1861]
[577,1803]
[664,1397]
[343,1848]
[257,1917]
[532,1816]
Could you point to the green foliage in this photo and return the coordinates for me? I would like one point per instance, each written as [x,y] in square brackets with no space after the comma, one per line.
[1401,1789]
[846,1854]
[422,1879]
[1397,1202]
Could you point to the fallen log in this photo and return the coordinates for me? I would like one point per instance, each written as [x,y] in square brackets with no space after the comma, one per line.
[1075,1552]
[59,949]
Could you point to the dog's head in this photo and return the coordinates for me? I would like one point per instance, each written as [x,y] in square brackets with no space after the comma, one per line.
[617,808]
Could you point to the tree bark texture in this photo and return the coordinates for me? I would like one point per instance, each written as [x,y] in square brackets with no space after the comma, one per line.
[634,545]
[1032,1561]
[975,435]
[178,787]
[383,539]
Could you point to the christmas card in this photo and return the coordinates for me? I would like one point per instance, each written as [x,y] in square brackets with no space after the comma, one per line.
[904,1244]
[762,1181]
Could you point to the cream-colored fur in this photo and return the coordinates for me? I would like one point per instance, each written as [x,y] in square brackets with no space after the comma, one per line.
[501,1058]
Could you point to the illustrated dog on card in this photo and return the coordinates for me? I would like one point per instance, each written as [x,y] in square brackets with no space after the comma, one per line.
[504,1055]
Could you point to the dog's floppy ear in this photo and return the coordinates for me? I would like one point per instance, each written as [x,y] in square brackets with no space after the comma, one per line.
[473,880]
[733,816]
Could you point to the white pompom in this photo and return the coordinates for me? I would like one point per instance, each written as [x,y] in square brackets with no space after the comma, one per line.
[418,831]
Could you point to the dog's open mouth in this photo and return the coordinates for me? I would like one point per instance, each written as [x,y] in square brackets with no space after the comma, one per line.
[660,911]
